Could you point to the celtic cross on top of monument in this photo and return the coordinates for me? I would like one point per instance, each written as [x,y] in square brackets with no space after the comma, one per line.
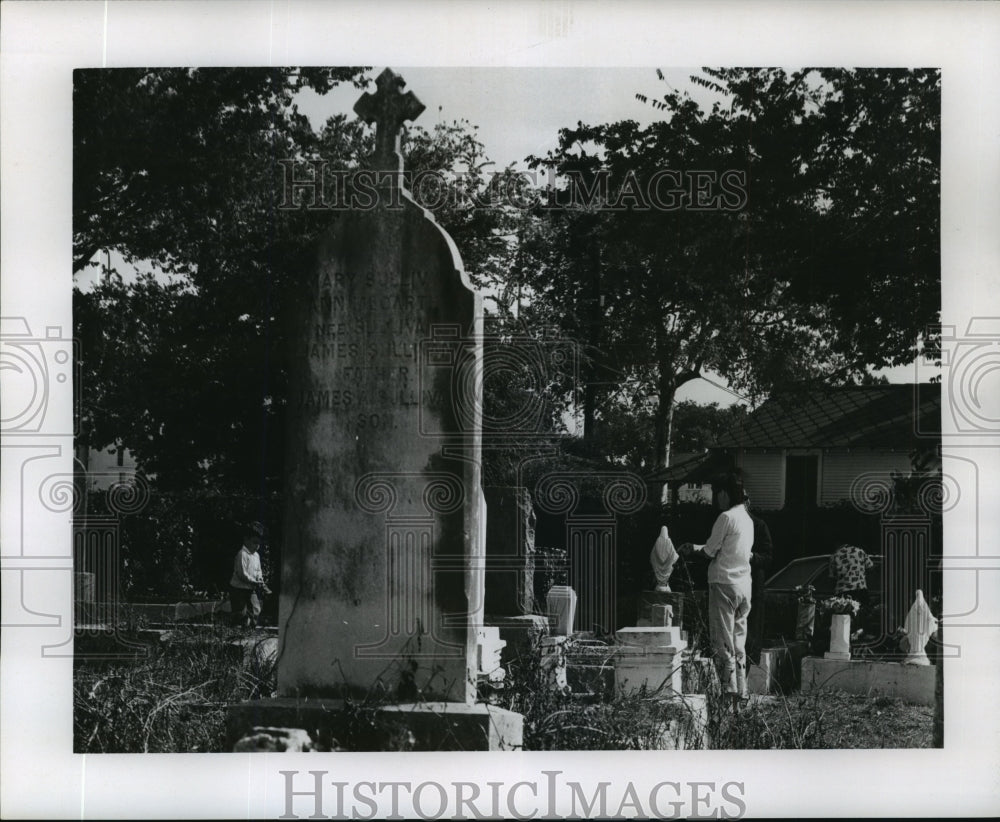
[388,108]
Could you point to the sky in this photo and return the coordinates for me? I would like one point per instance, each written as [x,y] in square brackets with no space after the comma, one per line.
[519,111]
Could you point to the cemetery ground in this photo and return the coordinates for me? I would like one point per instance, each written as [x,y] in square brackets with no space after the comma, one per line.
[172,698]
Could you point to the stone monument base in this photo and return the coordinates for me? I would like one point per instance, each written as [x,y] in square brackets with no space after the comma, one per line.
[911,683]
[647,599]
[779,669]
[424,726]
[651,658]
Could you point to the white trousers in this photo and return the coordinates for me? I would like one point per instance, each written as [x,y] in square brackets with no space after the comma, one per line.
[728,607]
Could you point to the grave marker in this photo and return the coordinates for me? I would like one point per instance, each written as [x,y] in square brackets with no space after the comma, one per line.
[382,577]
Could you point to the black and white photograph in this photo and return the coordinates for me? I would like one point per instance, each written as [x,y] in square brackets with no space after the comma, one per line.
[507,431]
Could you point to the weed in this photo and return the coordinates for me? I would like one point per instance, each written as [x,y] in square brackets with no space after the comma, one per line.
[172,700]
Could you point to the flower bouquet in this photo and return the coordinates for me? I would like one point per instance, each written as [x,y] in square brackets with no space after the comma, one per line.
[841,605]
[806,594]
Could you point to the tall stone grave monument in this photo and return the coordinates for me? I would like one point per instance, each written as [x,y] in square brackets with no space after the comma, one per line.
[382,581]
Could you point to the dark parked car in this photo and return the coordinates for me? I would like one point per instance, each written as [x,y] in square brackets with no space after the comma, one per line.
[781,596]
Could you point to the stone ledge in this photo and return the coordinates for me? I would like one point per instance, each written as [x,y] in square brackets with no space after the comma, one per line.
[911,683]
[425,726]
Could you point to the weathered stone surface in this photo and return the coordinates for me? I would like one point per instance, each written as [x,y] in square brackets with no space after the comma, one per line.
[447,726]
[650,599]
[425,726]
[510,552]
[652,637]
[383,561]
[650,658]
[911,683]
[778,671]
[661,616]
[651,667]
[596,682]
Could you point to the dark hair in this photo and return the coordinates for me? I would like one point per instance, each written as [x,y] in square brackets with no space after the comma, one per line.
[732,483]
[255,529]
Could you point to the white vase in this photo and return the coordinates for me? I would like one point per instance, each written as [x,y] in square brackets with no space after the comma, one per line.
[840,637]
[561,607]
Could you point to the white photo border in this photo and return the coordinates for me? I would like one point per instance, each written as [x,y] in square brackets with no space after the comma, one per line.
[41,45]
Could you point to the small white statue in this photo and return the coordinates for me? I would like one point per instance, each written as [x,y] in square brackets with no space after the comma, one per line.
[662,558]
[919,625]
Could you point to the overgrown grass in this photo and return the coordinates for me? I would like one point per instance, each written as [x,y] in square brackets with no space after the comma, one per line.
[172,701]
[822,719]
[175,700]
[558,720]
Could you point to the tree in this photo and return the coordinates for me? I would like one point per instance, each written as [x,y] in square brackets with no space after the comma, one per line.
[178,169]
[201,179]
[204,175]
[764,240]
[625,437]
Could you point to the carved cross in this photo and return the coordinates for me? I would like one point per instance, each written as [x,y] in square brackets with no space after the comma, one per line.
[388,108]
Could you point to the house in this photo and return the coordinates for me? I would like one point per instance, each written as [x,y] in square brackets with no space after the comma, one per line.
[807,449]
[691,489]
[104,467]
[687,477]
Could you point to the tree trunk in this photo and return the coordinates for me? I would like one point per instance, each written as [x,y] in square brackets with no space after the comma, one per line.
[595,333]
[664,429]
[589,411]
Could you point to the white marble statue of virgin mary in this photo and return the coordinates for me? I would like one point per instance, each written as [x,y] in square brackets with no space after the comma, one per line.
[662,558]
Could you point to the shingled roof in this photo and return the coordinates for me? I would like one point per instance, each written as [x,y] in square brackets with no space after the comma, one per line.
[883,416]
[691,467]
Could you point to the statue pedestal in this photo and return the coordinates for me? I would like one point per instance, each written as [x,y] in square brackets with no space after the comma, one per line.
[650,657]
[649,599]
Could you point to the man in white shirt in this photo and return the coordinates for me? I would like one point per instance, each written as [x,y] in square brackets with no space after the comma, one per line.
[247,585]
[729,583]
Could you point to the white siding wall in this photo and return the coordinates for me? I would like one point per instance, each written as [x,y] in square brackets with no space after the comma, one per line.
[839,470]
[764,479]
[103,469]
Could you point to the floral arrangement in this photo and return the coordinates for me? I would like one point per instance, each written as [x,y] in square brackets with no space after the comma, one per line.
[806,594]
[840,605]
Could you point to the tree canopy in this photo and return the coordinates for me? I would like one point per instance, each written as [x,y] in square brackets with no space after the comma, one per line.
[788,235]
[186,172]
